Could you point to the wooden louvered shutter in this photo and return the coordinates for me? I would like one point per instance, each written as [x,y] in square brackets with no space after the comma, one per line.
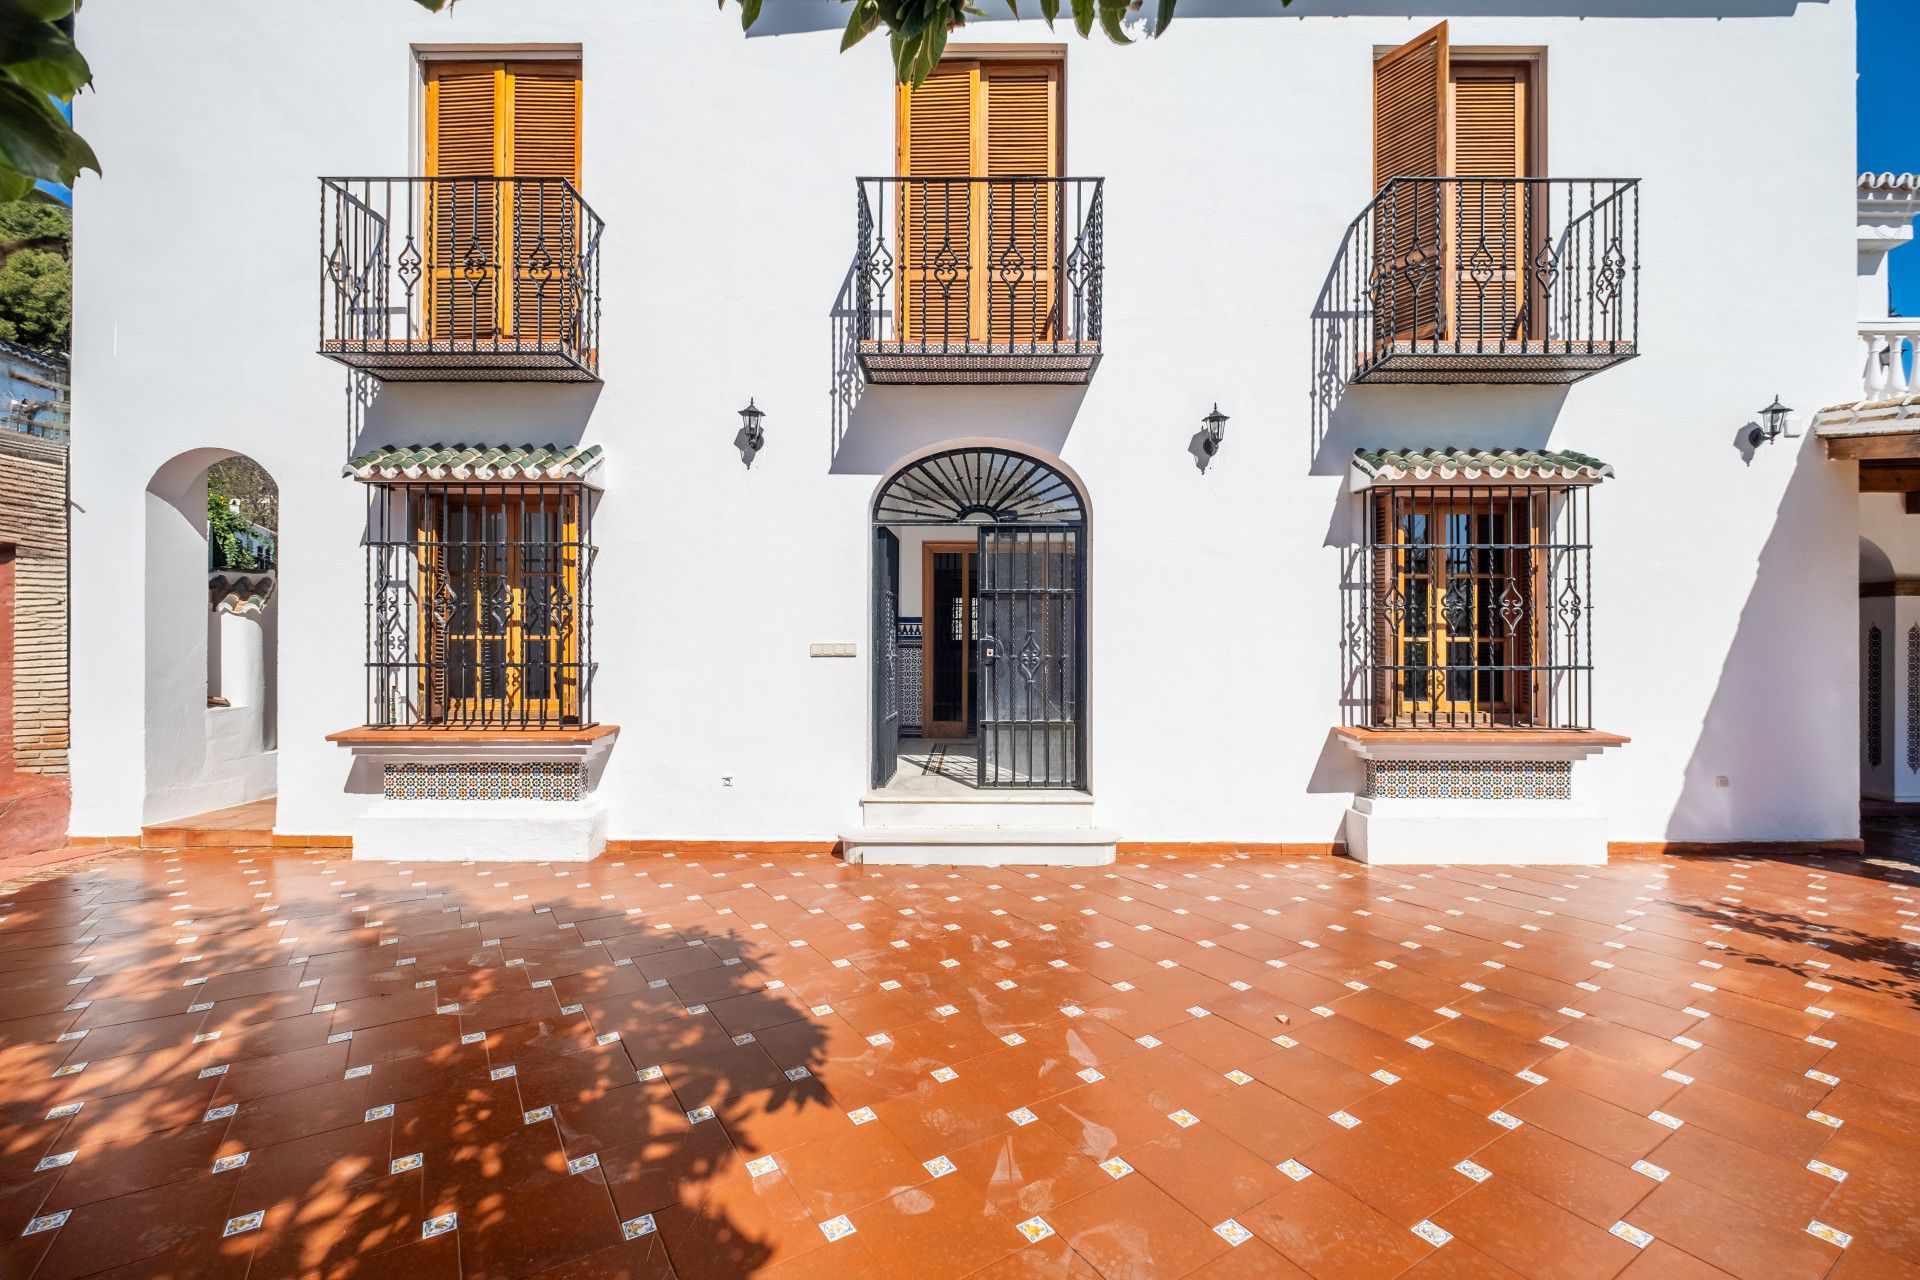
[938,139]
[1410,141]
[462,213]
[543,134]
[1488,140]
[1022,249]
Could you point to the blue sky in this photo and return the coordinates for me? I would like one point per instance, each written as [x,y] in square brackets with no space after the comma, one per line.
[1889,93]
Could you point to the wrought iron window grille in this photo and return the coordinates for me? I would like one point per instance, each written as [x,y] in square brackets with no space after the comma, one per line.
[432,279]
[1470,606]
[479,610]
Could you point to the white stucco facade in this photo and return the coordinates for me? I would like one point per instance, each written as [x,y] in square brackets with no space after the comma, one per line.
[1235,151]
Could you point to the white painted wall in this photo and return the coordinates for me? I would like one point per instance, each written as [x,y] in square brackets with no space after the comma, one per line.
[1235,152]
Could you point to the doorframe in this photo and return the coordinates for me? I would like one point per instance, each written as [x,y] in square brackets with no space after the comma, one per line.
[971,551]
[1088,580]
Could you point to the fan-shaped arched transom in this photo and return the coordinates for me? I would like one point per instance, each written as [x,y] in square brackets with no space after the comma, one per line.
[979,486]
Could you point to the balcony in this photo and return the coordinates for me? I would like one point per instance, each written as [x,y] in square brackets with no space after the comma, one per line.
[1486,280]
[460,279]
[963,280]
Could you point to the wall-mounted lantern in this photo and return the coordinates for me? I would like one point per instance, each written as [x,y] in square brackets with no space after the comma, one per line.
[1774,418]
[752,434]
[1216,430]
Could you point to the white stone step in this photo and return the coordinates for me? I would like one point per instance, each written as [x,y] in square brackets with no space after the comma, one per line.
[977,809]
[981,846]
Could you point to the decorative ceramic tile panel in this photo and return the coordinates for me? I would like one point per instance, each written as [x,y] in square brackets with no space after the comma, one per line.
[1875,727]
[1913,699]
[906,674]
[1470,779]
[485,780]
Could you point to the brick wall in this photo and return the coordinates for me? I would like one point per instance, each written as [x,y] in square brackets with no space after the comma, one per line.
[33,520]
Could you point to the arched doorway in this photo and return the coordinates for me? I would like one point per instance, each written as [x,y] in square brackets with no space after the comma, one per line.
[212,619]
[995,544]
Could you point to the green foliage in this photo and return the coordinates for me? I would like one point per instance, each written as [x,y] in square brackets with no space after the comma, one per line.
[36,278]
[917,30]
[224,530]
[38,64]
[243,478]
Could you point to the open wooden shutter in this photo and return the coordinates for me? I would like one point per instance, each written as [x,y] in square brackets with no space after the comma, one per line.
[1410,109]
[1022,250]
[463,217]
[1410,141]
[938,139]
[544,139]
[1488,140]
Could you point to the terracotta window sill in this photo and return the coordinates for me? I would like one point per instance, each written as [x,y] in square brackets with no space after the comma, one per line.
[372,736]
[1481,737]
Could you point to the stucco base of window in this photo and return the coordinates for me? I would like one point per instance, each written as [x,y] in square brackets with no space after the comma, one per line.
[480,797]
[1490,798]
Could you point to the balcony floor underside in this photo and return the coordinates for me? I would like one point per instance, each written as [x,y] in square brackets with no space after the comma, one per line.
[912,362]
[463,360]
[1545,362]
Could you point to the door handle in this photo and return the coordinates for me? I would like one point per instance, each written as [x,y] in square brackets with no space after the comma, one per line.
[989,648]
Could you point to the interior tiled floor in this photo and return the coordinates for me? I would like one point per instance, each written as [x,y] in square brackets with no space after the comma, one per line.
[220,1063]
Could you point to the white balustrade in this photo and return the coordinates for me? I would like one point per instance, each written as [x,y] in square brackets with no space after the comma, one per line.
[1891,348]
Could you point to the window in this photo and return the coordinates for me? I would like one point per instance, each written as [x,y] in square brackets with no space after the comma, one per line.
[980,212]
[479,606]
[1454,135]
[503,216]
[1478,607]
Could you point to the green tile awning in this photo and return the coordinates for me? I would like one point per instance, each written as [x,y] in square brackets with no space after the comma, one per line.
[230,591]
[519,462]
[1540,466]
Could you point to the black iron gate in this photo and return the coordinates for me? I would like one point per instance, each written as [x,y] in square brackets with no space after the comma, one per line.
[1030,656]
[886,684]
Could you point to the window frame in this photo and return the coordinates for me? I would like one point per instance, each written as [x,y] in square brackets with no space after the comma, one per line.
[1526,623]
[455,611]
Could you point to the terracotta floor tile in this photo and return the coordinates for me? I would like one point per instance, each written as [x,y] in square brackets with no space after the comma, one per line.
[1331,1235]
[1566,1174]
[1164,1014]
[1028,1170]
[1618,1134]
[1741,1241]
[524,1234]
[1206,1171]
[939,1229]
[1132,1230]
[1661,1261]
[111,1233]
[1459,1261]
[1530,1235]
[1400,1182]
[839,1174]
[1783,1188]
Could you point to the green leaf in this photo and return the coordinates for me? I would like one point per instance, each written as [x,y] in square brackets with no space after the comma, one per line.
[1165,19]
[436,5]
[1083,16]
[14,186]
[41,56]
[1111,12]
[749,14]
[860,24]
[1049,9]
[36,140]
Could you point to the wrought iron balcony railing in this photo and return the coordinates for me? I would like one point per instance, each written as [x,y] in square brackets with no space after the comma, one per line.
[979,279]
[454,279]
[1484,280]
